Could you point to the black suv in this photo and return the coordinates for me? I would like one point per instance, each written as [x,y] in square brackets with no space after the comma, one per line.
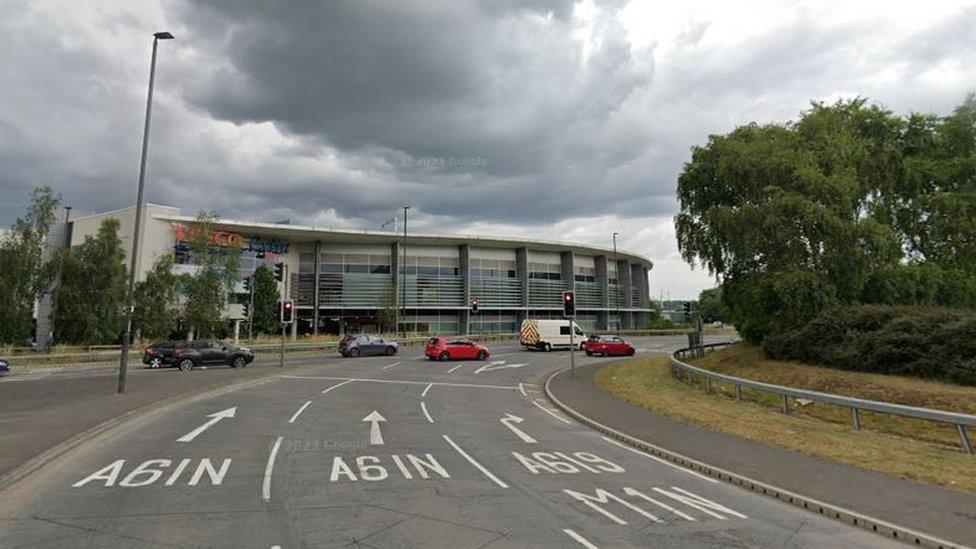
[160,353]
[189,354]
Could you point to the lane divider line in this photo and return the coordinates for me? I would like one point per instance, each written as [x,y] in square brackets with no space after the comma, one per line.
[266,486]
[299,412]
[388,366]
[579,539]
[455,368]
[659,460]
[404,382]
[550,412]
[337,385]
[423,394]
[423,406]
[472,461]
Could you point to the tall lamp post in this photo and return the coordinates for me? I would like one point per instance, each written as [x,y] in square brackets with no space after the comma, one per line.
[403,294]
[616,298]
[124,358]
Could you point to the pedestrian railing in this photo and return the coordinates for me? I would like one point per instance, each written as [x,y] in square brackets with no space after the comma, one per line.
[687,373]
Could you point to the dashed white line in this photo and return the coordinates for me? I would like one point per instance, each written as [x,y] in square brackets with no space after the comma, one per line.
[266,486]
[423,406]
[337,385]
[455,368]
[299,412]
[472,461]
[580,539]
[423,394]
[659,460]
[388,366]
[550,412]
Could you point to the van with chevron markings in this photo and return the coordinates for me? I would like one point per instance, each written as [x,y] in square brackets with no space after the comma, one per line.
[547,334]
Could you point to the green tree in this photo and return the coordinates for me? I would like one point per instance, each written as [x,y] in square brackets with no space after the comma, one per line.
[91,296]
[264,314]
[156,313]
[206,291]
[711,307]
[24,275]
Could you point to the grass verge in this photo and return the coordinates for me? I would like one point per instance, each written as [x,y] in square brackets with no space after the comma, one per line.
[647,382]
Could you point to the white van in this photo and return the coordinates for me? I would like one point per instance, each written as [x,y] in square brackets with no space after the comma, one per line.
[546,334]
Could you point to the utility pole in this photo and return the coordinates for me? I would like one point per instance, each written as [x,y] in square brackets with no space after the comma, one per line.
[616,291]
[396,277]
[124,358]
[284,296]
[404,292]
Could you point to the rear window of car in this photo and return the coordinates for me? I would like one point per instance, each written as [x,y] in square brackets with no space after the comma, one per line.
[434,341]
[164,344]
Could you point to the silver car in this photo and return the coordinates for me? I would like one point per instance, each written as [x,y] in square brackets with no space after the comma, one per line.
[366,345]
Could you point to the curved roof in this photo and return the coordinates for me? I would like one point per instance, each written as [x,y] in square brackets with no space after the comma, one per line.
[304,233]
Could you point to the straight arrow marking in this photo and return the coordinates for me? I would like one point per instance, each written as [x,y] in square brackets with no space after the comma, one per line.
[214,418]
[375,436]
[509,420]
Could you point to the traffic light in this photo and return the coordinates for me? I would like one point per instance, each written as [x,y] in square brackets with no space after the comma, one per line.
[279,271]
[474,305]
[247,285]
[286,311]
[687,311]
[569,304]
[247,309]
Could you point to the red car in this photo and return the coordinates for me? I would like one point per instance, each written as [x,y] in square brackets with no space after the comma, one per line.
[607,345]
[443,348]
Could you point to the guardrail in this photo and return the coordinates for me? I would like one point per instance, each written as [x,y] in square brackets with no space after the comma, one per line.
[685,372]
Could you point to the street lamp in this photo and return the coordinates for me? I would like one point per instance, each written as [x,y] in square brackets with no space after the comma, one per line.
[616,290]
[404,292]
[124,358]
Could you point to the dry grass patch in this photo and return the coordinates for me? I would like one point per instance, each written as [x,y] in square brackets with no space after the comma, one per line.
[647,382]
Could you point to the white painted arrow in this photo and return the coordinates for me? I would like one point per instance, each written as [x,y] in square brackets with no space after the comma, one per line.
[490,368]
[509,420]
[214,418]
[375,436]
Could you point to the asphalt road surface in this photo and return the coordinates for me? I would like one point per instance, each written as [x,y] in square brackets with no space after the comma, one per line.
[389,452]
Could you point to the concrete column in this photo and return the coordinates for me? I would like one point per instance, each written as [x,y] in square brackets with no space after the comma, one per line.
[315,287]
[396,280]
[566,268]
[237,332]
[464,317]
[624,285]
[522,272]
[602,316]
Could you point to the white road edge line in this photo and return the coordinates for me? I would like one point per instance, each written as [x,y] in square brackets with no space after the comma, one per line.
[299,412]
[550,412]
[266,486]
[662,461]
[404,382]
[582,541]
[337,385]
[388,366]
[471,460]
[423,394]
[423,406]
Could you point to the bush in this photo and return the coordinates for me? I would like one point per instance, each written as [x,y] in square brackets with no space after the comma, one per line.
[928,342]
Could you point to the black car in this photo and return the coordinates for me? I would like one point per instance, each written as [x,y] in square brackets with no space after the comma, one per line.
[160,353]
[366,345]
[4,367]
[190,354]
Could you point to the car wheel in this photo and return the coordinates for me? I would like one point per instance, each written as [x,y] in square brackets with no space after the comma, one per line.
[354,352]
[444,356]
[482,355]
[630,352]
[589,353]
[582,346]
[391,350]
[186,364]
[239,362]
[546,347]
[156,363]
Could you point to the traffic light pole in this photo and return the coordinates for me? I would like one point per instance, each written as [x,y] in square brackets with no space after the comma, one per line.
[284,285]
[572,345]
[250,315]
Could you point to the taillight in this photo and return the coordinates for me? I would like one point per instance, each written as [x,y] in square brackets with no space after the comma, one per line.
[150,351]
[178,352]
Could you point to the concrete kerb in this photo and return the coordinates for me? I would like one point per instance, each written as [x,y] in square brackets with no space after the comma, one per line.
[881,527]
[102,429]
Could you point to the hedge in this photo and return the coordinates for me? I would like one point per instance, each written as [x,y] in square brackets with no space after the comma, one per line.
[927,342]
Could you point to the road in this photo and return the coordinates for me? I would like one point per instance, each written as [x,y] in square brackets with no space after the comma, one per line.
[389,452]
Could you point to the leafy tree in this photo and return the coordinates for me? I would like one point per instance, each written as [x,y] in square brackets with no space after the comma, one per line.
[156,313]
[264,314]
[24,274]
[206,291]
[91,297]
[710,305]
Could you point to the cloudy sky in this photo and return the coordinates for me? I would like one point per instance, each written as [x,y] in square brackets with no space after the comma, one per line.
[536,118]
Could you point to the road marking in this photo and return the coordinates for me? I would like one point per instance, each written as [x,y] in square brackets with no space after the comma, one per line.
[509,420]
[266,486]
[522,389]
[649,499]
[375,435]
[550,412]
[405,382]
[455,368]
[423,394]
[423,406]
[388,366]
[337,385]
[472,461]
[663,461]
[490,368]
[299,412]
[580,539]
[214,418]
